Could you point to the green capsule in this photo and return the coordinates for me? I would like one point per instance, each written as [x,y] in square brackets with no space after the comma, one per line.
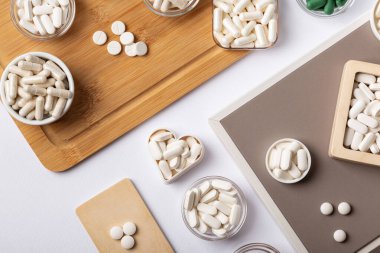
[329,7]
[340,2]
[316,4]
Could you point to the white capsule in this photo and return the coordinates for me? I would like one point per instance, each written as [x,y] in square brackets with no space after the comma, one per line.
[63,2]
[61,93]
[262,4]
[39,115]
[206,208]
[205,187]
[157,4]
[27,108]
[365,78]
[31,115]
[28,8]
[367,120]
[280,174]
[210,196]
[197,196]
[260,33]
[48,24]
[222,218]
[189,200]
[357,126]
[294,146]
[59,107]
[195,152]
[192,218]
[225,198]
[57,17]
[375,109]
[356,109]
[23,94]
[238,23]
[221,185]
[272,30]
[211,221]
[202,227]
[248,28]
[240,6]
[235,214]
[367,92]
[34,59]
[165,5]
[224,6]
[42,10]
[49,82]
[33,80]
[173,152]
[220,39]
[374,87]
[245,40]
[56,71]
[25,65]
[367,142]
[374,149]
[302,160]
[49,103]
[219,232]
[272,158]
[12,90]
[353,102]
[294,172]
[348,136]
[155,150]
[218,19]
[222,207]
[249,16]
[356,140]
[39,26]
[286,159]
[231,28]
[359,94]
[268,14]
[28,26]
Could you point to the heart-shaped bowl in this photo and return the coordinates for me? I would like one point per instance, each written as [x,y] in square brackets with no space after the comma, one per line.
[163,140]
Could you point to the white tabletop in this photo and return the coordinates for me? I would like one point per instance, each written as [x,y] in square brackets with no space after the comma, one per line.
[37,212]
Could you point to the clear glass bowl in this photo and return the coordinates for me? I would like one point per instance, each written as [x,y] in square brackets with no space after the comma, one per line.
[209,236]
[59,32]
[257,248]
[320,13]
[172,12]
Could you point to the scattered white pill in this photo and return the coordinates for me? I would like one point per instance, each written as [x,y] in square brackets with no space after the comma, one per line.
[130,50]
[99,38]
[344,208]
[129,228]
[340,235]
[127,38]
[127,242]
[118,27]
[327,208]
[114,48]
[116,232]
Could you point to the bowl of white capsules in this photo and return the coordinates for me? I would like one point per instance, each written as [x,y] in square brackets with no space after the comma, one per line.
[37,88]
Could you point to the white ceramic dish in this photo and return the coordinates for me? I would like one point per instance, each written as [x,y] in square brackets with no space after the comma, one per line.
[374,20]
[48,120]
[293,180]
[187,168]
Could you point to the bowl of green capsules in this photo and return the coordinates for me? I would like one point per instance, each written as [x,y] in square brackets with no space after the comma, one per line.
[325,8]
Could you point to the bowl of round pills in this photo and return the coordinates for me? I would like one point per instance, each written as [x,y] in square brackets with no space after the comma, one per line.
[43,20]
[171,8]
[288,161]
[214,208]
[37,88]
[325,8]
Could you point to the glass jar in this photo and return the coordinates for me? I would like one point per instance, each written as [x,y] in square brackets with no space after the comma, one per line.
[320,13]
[58,33]
[257,248]
[209,236]
[171,12]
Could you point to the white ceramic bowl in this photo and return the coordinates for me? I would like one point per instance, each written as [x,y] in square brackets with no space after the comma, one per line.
[48,120]
[374,20]
[293,180]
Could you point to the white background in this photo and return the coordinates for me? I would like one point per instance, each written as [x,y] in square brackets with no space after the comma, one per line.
[37,207]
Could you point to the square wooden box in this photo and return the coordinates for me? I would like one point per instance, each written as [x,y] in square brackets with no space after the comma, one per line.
[337,149]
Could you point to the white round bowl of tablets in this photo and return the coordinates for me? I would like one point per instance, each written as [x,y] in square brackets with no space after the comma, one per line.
[173,8]
[288,161]
[43,20]
[375,20]
[37,88]
[214,208]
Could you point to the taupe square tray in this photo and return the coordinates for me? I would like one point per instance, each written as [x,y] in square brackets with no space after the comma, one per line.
[300,103]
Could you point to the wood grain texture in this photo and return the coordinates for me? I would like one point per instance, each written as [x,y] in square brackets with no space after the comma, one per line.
[115,94]
[337,149]
[114,207]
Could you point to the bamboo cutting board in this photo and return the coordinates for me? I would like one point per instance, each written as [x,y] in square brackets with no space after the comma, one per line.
[115,94]
[114,207]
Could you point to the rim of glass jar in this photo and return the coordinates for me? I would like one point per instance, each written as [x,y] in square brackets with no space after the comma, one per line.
[265,248]
[321,14]
[61,31]
[175,13]
[242,48]
[235,230]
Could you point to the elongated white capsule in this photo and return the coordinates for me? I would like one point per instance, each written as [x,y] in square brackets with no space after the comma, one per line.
[249,16]
[48,24]
[260,33]
[13,80]
[27,25]
[49,103]
[367,142]
[220,39]
[356,140]
[56,71]
[248,28]
[302,160]
[222,207]
[39,26]
[294,146]
[272,30]
[356,109]
[245,40]
[218,19]
[34,59]
[28,8]
[27,108]
[39,111]
[210,196]
[49,82]
[43,10]
[231,28]
[374,149]
[59,107]
[240,6]
[367,120]
[286,159]
[225,198]
[235,214]
[206,208]
[192,218]
[57,17]
[16,70]
[23,94]
[365,78]
[25,65]
[358,94]
[62,93]
[268,14]
[294,172]
[237,22]
[173,152]
[31,115]
[195,152]
[262,4]
[374,86]
[35,90]
[367,92]
[357,126]
[211,221]
[222,218]
[165,5]
[155,150]
[44,72]
[222,5]
[348,136]
[205,187]
[33,80]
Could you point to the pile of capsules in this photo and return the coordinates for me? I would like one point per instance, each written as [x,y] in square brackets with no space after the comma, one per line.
[362,132]
[327,6]
[245,23]
[42,17]
[37,89]
[166,5]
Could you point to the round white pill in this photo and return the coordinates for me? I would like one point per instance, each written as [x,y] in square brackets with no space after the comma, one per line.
[141,48]
[327,208]
[344,208]
[340,235]
[127,38]
[116,233]
[130,50]
[127,242]
[99,38]
[118,27]
[129,228]
[114,48]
